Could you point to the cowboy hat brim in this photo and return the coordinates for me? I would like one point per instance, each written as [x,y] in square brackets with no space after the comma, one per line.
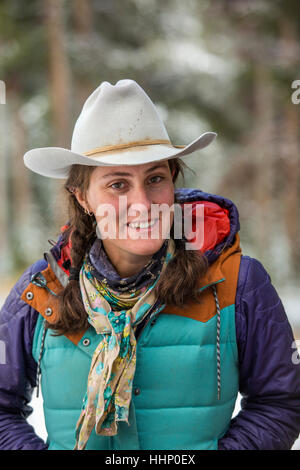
[55,162]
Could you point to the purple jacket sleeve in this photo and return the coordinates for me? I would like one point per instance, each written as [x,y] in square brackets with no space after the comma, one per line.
[269,377]
[18,368]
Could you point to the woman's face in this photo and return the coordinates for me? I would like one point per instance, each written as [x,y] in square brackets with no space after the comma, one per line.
[120,196]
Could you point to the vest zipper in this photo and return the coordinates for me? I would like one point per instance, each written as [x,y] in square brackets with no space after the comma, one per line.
[37,380]
[218,341]
[153,310]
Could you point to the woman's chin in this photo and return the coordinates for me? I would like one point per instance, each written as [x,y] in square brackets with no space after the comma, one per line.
[144,247]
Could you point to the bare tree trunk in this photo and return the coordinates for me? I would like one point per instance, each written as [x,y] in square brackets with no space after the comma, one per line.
[21,184]
[20,190]
[59,74]
[264,155]
[15,192]
[290,138]
[82,13]
[83,30]
[291,195]
[60,87]
[5,240]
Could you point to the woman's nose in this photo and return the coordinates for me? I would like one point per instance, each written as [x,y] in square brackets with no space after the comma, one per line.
[140,197]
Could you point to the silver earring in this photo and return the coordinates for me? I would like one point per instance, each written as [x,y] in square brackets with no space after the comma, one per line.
[88,212]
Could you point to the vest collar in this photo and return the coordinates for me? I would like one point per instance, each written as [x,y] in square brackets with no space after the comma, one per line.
[215,273]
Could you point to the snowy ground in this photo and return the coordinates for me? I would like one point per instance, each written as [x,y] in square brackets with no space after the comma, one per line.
[291,301]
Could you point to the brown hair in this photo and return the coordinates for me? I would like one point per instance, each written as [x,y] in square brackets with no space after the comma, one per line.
[177,286]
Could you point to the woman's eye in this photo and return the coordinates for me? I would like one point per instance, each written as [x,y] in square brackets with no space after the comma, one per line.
[160,178]
[116,184]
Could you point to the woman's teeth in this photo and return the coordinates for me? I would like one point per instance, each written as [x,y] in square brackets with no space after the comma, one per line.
[142,224]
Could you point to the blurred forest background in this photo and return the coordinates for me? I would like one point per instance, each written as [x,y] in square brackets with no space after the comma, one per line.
[226,66]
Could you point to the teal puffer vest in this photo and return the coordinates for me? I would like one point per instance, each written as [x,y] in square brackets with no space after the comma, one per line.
[175,402]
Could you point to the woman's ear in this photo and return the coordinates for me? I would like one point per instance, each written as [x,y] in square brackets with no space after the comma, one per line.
[80,199]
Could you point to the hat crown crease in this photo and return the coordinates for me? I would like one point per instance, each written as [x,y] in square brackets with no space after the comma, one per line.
[116,115]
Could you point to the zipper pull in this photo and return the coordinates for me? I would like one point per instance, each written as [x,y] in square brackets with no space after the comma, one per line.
[39,280]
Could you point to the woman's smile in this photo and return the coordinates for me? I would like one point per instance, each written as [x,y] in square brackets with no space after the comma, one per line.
[142,225]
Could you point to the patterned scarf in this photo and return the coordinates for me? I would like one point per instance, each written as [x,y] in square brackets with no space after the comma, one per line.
[114,314]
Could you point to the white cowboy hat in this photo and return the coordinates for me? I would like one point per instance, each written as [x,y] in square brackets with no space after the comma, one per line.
[118,125]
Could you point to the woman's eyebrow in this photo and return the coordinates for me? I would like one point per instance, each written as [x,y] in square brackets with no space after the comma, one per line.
[122,173]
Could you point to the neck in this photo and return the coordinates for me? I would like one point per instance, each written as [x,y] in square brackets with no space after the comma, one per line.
[130,269]
[126,264]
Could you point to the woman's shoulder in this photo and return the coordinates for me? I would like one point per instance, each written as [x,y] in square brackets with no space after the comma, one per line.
[257,300]
[252,273]
[254,278]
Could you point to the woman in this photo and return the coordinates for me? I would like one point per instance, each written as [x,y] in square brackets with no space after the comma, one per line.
[144,319]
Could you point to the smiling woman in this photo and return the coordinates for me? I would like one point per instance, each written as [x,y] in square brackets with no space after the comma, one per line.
[143,336]
[88,188]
